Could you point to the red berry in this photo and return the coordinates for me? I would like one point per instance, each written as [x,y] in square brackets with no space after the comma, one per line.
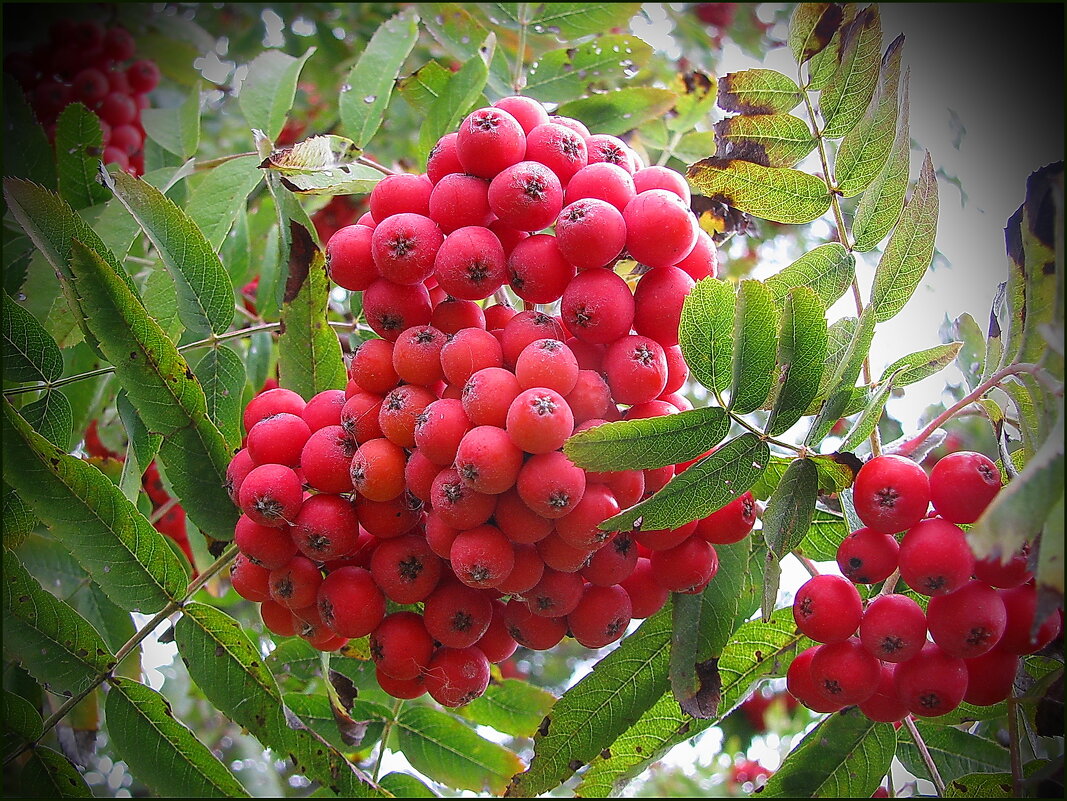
[456,676]
[635,368]
[867,556]
[271,495]
[405,568]
[400,646]
[732,523]
[550,484]
[400,193]
[660,228]
[143,76]
[490,140]
[932,683]
[482,557]
[893,628]
[471,263]
[828,608]
[935,558]
[962,485]
[326,528]
[598,307]
[891,494]
[404,247]
[350,602]
[968,622]
[539,420]
[844,672]
[601,616]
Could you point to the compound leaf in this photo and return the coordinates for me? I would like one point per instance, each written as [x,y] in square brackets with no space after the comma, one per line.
[758,91]
[773,193]
[849,91]
[801,357]
[828,270]
[755,335]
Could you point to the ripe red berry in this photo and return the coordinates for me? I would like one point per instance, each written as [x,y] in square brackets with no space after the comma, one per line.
[968,622]
[687,567]
[489,140]
[249,580]
[471,263]
[590,233]
[935,558]
[635,368]
[528,570]
[528,112]
[884,706]
[267,546]
[613,563]
[400,193]
[350,602]
[526,196]
[559,148]
[962,485]
[828,608]
[271,402]
[801,684]
[990,677]
[296,584]
[143,76]
[482,557]
[404,247]
[867,556]
[271,495]
[658,301]
[456,676]
[891,494]
[1024,633]
[601,616]
[598,307]
[844,672]
[539,420]
[400,646]
[400,411]
[732,523]
[326,528]
[459,200]
[932,683]
[487,460]
[497,644]
[660,228]
[550,484]
[893,628]
[405,568]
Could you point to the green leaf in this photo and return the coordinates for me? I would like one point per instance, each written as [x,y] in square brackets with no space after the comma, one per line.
[772,140]
[267,93]
[971,349]
[584,69]
[205,295]
[867,422]
[370,82]
[705,332]
[141,447]
[323,165]
[828,270]
[456,100]
[30,354]
[801,357]
[620,110]
[694,682]
[655,442]
[724,599]
[843,376]
[865,148]
[175,129]
[446,750]
[921,364]
[403,785]
[811,28]
[51,224]
[422,87]
[708,485]
[228,667]
[697,93]
[316,712]
[55,644]
[756,649]
[510,706]
[78,150]
[51,416]
[956,753]
[112,540]
[981,785]
[881,203]
[849,91]
[49,774]
[595,711]
[21,718]
[309,353]
[758,91]
[159,749]
[909,250]
[790,509]
[18,519]
[773,193]
[573,20]
[463,38]
[27,153]
[845,756]
[220,197]
[824,536]
[222,375]
[163,390]
[755,332]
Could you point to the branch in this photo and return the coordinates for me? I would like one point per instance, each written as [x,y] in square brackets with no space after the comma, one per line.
[928,760]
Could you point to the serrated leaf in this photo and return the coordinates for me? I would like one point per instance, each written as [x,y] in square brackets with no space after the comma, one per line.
[790,508]
[704,332]
[971,353]
[55,644]
[315,711]
[955,753]
[266,96]
[801,357]
[219,198]
[112,540]
[572,20]
[51,224]
[755,335]
[881,203]
[51,416]
[921,364]
[811,28]
[758,91]
[839,336]
[49,774]
[867,422]
[27,152]
[771,140]
[650,443]
[849,91]
[620,110]
[404,785]
[228,667]
[176,129]
[981,785]
[422,87]
[510,706]
[823,65]
[160,750]
[463,37]
[697,93]
[30,354]
[18,518]
[444,749]
[846,755]
[707,485]
[824,536]
[205,295]
[773,193]
[909,250]
[842,383]
[756,649]
[694,680]
[865,149]
[309,353]
[222,375]
[163,390]
[370,82]
[589,716]
[583,69]
[78,151]
[462,91]
[141,447]
[828,270]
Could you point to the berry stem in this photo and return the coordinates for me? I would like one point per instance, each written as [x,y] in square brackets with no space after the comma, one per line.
[174,606]
[800,450]
[993,381]
[890,583]
[928,760]
[518,80]
[809,565]
[385,736]
[367,161]
[1013,747]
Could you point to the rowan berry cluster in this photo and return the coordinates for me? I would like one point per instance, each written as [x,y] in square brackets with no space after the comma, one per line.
[437,476]
[890,656]
[84,62]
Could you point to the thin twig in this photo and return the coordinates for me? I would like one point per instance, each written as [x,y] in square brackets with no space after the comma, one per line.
[386,729]
[928,760]
[1013,747]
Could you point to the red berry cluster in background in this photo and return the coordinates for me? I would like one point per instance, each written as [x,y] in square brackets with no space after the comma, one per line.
[171,522]
[84,62]
[889,656]
[437,476]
